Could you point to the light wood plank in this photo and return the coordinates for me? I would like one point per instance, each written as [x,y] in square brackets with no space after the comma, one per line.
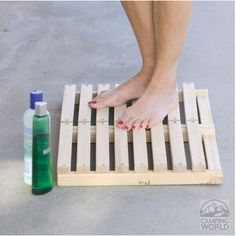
[83,148]
[102,113]
[190,104]
[66,130]
[213,159]
[68,104]
[176,141]
[204,110]
[193,131]
[158,148]
[86,95]
[211,149]
[150,178]
[204,129]
[121,143]
[198,93]
[196,147]
[102,136]
[140,150]
[83,134]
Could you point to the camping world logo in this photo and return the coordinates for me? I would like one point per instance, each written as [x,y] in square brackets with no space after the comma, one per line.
[214,215]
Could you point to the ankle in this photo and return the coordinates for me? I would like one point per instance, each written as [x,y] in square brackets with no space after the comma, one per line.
[148,64]
[163,85]
[146,71]
[165,82]
[165,74]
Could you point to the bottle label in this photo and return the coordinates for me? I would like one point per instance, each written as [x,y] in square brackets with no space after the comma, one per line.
[28,168]
[46,151]
[42,171]
[28,153]
[28,138]
[28,131]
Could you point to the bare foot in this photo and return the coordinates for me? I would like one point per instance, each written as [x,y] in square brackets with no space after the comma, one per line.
[129,90]
[159,98]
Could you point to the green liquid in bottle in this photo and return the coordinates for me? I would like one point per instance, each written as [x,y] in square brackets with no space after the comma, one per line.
[42,167]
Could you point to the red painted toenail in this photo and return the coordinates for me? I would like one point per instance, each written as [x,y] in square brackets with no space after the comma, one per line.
[140,126]
[147,127]
[92,102]
[133,127]
[121,122]
[126,127]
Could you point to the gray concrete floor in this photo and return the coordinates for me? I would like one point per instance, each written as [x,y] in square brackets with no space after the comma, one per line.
[46,45]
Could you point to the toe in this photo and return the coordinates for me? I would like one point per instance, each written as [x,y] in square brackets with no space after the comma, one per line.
[144,123]
[124,118]
[120,123]
[136,124]
[92,103]
[98,101]
[128,125]
[97,105]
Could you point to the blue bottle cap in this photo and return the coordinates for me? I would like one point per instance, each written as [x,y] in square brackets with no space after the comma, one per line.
[35,96]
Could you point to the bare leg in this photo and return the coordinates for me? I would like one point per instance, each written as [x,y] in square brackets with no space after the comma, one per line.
[160,97]
[140,17]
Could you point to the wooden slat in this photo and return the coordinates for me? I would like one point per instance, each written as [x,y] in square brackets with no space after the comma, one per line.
[140,150]
[149,178]
[83,134]
[190,104]
[176,141]
[198,93]
[196,147]
[193,131]
[86,95]
[213,160]
[204,129]
[66,130]
[204,110]
[67,110]
[158,148]
[211,150]
[121,143]
[102,136]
